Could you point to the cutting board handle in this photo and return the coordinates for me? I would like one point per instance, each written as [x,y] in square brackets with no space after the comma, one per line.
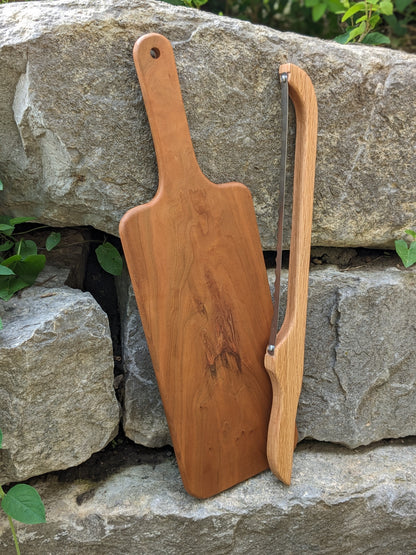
[285,366]
[156,69]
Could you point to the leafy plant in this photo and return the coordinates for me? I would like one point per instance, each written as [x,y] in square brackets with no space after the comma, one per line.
[400,23]
[404,13]
[22,503]
[189,3]
[365,21]
[407,251]
[320,7]
[20,263]
[360,18]
[363,18]
[109,258]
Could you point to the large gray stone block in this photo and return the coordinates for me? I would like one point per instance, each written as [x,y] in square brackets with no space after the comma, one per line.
[359,377]
[57,401]
[340,502]
[144,419]
[75,146]
[360,361]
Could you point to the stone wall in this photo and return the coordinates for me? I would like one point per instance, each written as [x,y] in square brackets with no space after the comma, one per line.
[75,150]
[75,147]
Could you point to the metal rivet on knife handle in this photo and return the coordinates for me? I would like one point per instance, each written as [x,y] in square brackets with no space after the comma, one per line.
[285,365]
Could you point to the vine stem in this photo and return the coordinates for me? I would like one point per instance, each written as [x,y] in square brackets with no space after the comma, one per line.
[368,13]
[16,543]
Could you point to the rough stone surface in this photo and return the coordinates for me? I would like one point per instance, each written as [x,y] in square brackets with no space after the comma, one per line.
[75,146]
[57,402]
[340,502]
[144,419]
[359,377]
[359,381]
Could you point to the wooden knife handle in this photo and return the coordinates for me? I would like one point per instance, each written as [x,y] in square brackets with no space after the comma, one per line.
[156,69]
[285,366]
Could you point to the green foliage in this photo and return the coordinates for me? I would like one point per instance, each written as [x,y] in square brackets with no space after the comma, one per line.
[401,23]
[109,259]
[189,3]
[362,18]
[374,22]
[22,503]
[359,19]
[407,251]
[20,263]
[320,7]
[404,13]
[53,240]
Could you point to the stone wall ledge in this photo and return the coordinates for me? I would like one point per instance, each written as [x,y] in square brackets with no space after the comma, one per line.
[340,502]
[75,145]
[359,376]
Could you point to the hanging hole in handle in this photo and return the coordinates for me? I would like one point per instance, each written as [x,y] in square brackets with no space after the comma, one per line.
[155,53]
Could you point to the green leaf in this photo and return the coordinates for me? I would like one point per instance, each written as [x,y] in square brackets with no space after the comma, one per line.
[360,19]
[334,5]
[174,2]
[21,220]
[1,186]
[26,248]
[52,240]
[342,39]
[374,20]
[401,5]
[399,28]
[386,7]
[10,285]
[5,271]
[312,3]
[318,11]
[406,253]
[6,228]
[6,246]
[357,31]
[30,267]
[109,259]
[375,39]
[12,261]
[26,270]
[23,503]
[358,7]
[411,232]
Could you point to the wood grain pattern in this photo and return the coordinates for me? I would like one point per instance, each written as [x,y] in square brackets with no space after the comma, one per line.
[285,366]
[196,264]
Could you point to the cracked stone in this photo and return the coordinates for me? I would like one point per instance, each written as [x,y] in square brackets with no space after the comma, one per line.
[359,379]
[76,149]
[365,499]
[57,401]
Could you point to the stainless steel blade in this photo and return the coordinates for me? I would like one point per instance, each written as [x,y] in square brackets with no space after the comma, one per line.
[283,163]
